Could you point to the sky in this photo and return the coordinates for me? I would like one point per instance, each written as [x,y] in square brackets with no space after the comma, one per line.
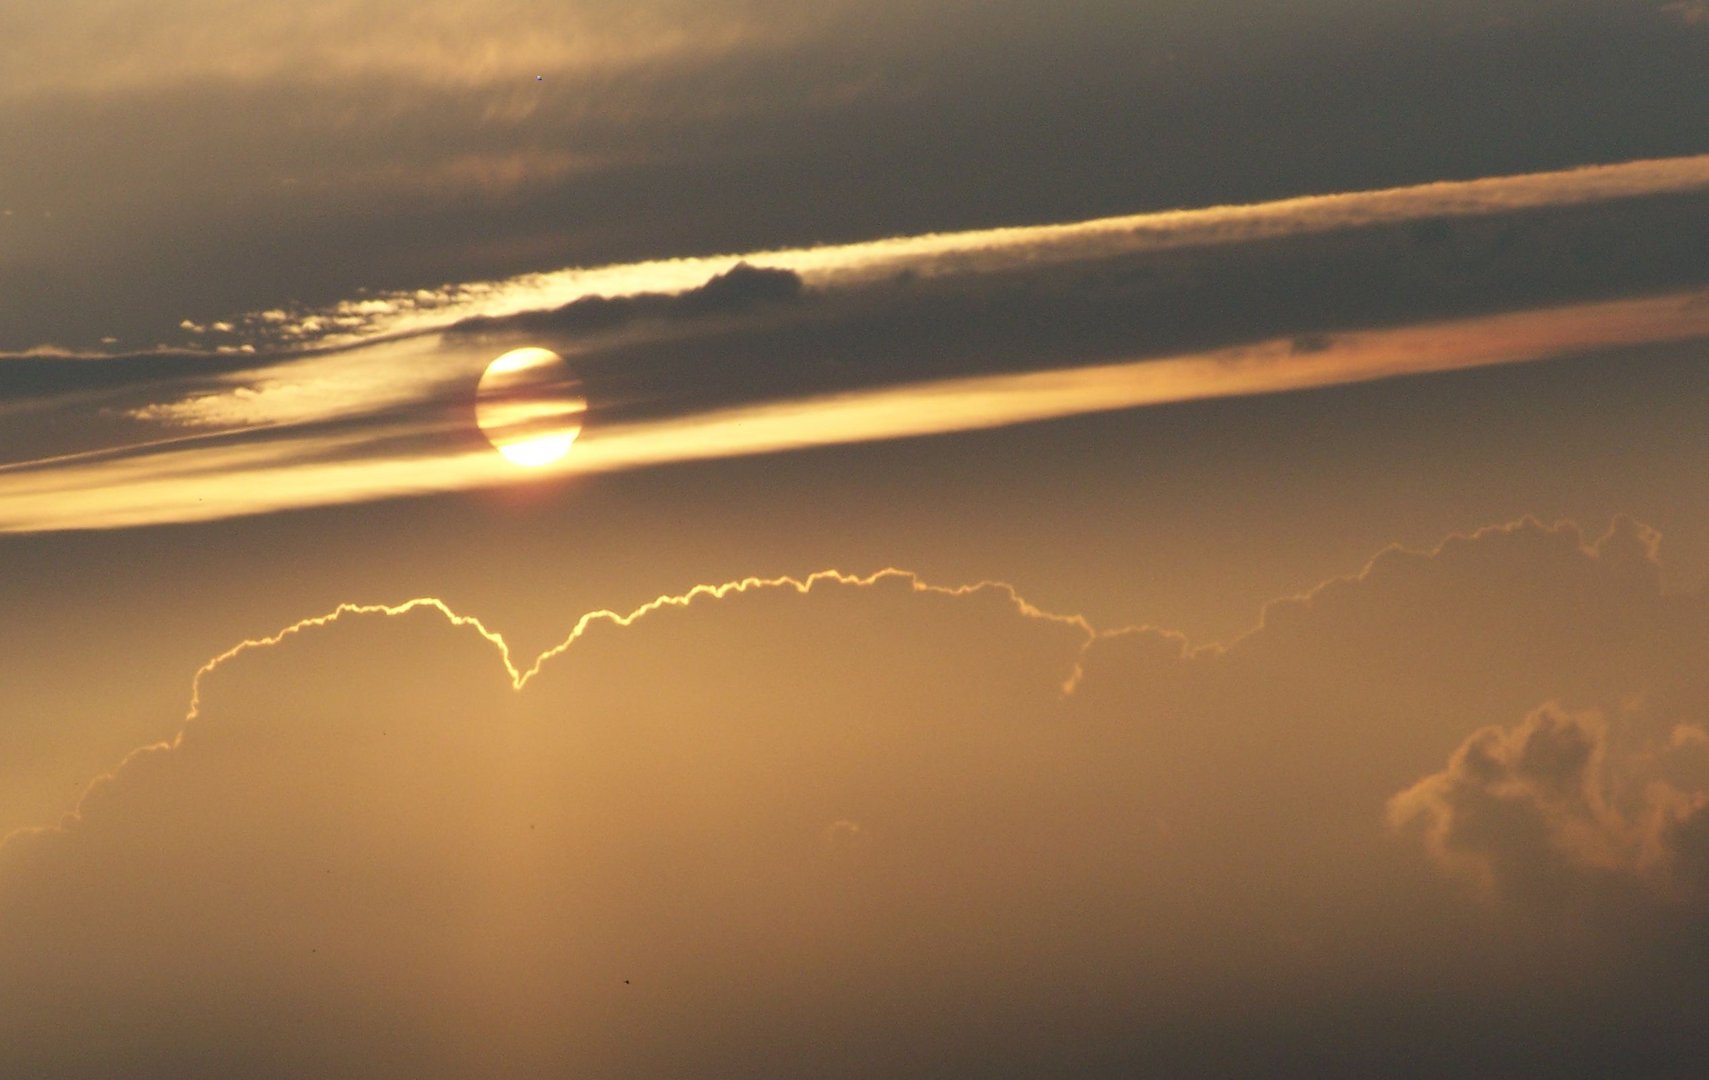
[1151,538]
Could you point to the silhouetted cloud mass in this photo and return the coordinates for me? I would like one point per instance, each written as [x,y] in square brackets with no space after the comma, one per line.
[862,827]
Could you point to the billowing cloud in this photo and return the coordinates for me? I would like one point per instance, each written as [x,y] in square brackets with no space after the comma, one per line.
[861,819]
[1525,809]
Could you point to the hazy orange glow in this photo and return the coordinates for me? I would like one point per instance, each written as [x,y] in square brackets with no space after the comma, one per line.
[426,425]
[883,780]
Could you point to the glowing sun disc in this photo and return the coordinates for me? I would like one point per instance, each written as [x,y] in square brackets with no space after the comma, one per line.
[529,405]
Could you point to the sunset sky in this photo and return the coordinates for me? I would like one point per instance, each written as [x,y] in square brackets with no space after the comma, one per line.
[1101,538]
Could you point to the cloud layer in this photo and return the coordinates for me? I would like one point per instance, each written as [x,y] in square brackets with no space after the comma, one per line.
[861,827]
[888,339]
[168,164]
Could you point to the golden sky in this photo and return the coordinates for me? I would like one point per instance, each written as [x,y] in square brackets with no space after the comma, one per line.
[1127,540]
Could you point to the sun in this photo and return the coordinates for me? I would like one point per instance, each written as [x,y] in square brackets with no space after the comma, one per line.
[529,405]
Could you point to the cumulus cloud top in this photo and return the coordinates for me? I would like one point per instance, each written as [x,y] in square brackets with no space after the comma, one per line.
[857,818]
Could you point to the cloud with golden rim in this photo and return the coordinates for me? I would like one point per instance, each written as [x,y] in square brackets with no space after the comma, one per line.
[865,787]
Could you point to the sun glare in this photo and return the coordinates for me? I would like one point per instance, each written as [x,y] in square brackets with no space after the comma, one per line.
[532,453]
[529,405]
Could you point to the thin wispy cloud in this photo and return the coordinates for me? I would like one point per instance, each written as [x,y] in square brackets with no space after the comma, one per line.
[194,480]
[979,251]
[301,390]
[896,338]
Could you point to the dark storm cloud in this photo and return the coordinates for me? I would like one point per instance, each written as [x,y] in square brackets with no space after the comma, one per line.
[276,158]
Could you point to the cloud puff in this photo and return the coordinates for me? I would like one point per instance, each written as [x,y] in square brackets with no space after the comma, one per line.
[844,826]
[1524,809]
[1537,814]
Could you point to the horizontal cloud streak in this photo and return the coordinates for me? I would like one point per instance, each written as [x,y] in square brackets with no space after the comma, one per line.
[194,481]
[993,250]
[1269,367]
[689,360]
